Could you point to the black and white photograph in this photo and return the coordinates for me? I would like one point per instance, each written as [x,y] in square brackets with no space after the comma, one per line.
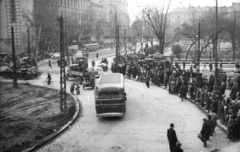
[119,75]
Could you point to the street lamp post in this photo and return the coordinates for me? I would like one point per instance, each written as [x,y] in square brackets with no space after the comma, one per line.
[216,87]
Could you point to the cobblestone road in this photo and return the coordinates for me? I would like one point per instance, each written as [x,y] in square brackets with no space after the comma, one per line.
[142,129]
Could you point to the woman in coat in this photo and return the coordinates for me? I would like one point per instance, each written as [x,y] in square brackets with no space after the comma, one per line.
[172,84]
[183,92]
[206,132]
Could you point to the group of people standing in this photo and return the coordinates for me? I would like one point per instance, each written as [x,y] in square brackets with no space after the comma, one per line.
[190,84]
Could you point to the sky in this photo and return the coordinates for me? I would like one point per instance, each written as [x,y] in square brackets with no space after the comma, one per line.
[134,6]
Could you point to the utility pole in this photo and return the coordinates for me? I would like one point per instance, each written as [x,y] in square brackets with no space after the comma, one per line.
[199,44]
[215,87]
[63,94]
[117,39]
[28,51]
[125,41]
[14,60]
[66,40]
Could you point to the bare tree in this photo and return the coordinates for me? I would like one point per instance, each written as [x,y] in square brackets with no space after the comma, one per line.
[157,19]
[43,22]
[190,31]
[233,32]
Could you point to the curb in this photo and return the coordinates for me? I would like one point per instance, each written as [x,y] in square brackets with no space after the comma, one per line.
[61,130]
[198,106]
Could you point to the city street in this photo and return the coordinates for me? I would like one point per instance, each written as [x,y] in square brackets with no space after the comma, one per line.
[143,128]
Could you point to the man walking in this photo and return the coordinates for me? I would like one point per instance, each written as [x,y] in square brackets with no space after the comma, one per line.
[206,132]
[172,137]
[147,80]
[49,63]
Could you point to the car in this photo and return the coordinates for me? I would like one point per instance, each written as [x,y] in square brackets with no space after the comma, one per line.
[56,55]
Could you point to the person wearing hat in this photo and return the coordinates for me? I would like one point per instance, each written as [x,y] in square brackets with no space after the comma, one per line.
[234,90]
[205,131]
[172,137]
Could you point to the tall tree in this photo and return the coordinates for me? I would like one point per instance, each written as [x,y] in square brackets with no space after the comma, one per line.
[44,22]
[233,32]
[157,19]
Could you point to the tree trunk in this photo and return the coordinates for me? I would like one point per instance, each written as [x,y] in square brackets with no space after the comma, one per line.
[151,40]
[234,50]
[38,42]
[189,49]
[160,45]
[233,47]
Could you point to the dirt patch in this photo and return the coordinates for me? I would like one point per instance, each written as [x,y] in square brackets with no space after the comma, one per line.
[28,114]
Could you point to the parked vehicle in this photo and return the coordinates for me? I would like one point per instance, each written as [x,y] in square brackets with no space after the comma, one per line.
[91,47]
[89,81]
[104,64]
[79,71]
[56,55]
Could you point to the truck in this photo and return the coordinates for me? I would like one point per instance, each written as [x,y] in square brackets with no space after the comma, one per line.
[79,69]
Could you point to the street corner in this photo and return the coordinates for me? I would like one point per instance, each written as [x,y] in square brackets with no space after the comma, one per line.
[77,112]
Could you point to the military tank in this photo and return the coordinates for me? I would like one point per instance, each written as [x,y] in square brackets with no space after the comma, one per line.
[24,72]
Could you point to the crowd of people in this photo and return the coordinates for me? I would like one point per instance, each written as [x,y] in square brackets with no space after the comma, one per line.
[191,84]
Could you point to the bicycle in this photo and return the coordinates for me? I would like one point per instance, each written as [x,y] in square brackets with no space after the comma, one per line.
[45,83]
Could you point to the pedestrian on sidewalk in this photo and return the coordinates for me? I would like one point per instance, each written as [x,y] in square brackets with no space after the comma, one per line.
[72,88]
[49,63]
[214,120]
[147,80]
[58,62]
[183,91]
[210,66]
[229,127]
[172,137]
[93,63]
[205,131]
[211,124]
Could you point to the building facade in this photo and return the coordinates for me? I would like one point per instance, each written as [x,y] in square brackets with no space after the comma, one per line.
[11,15]
[187,14]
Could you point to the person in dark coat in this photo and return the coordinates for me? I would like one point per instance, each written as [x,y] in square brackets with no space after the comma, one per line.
[233,93]
[183,92]
[148,80]
[72,88]
[184,64]
[58,62]
[49,63]
[223,88]
[172,137]
[210,66]
[206,132]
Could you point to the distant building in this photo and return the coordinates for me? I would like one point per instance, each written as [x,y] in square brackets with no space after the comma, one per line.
[186,14]
[11,16]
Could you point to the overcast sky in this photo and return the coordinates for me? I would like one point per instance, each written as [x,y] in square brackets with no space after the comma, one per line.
[134,6]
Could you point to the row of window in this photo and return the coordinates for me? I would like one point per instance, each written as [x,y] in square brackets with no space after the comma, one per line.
[72,3]
[74,15]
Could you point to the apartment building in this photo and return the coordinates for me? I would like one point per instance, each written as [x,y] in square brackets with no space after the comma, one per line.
[11,15]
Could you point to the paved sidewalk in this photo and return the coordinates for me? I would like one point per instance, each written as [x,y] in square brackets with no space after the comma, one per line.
[235,146]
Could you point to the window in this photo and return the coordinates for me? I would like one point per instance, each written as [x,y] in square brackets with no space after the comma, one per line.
[61,2]
[13,10]
[65,2]
[68,3]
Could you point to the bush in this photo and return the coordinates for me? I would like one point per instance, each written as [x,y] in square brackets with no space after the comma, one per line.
[177,49]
